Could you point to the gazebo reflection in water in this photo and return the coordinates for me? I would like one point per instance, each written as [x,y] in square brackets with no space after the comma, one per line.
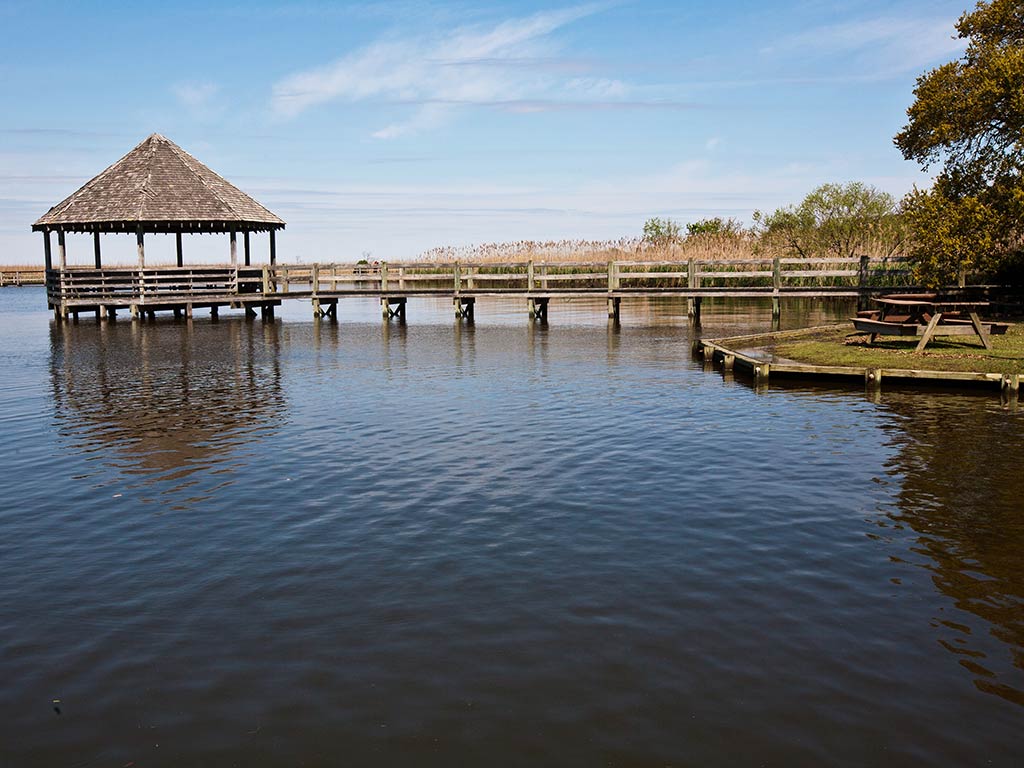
[166,403]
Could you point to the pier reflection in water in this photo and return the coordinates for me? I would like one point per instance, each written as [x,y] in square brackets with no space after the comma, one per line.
[499,543]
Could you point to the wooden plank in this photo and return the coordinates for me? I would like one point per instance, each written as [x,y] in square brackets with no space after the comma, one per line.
[885,328]
[820,273]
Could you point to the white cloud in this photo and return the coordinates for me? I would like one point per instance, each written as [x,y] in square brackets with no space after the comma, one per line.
[482,66]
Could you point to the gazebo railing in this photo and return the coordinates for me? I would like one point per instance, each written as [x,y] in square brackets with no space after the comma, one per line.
[119,285]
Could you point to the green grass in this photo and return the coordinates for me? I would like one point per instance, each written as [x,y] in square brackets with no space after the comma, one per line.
[965,353]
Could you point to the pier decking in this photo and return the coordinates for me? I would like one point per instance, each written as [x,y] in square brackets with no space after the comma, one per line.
[104,291]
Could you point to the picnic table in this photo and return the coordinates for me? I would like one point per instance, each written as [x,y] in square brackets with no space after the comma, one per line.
[926,315]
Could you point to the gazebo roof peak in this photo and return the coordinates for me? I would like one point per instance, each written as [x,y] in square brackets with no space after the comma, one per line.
[158,187]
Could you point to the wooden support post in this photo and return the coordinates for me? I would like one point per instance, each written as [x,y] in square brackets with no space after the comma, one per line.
[177,313]
[1011,382]
[140,245]
[728,361]
[214,311]
[873,377]
[96,250]
[266,279]
[761,371]
[273,247]
[47,254]
[314,278]
[614,304]
[250,313]
[188,311]
[691,282]
[245,247]
[234,249]
[112,313]
[457,277]
[961,278]
[134,310]
[863,275]
[776,287]
[538,308]
[178,249]
[384,277]
[530,282]
[62,250]
[316,308]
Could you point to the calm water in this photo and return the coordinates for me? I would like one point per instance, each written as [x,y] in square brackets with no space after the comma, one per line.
[302,544]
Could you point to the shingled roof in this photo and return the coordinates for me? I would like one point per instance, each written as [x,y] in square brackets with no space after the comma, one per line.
[159,187]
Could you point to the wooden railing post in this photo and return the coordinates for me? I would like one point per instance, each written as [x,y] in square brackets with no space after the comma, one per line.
[691,282]
[530,283]
[776,287]
[383,277]
[314,278]
[457,277]
[613,276]
[961,279]
[266,279]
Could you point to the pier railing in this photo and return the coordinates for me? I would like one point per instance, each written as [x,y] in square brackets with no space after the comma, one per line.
[22,277]
[71,289]
[581,277]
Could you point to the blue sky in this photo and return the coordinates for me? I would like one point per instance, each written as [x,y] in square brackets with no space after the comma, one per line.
[391,128]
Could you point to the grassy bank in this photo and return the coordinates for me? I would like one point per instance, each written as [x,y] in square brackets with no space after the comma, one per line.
[962,353]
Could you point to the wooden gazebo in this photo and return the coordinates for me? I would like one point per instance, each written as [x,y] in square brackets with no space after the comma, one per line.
[156,188]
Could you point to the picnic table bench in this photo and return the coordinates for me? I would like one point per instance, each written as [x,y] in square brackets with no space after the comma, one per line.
[926,315]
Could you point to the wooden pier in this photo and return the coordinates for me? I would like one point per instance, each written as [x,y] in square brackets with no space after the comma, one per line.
[159,188]
[182,290]
[20,277]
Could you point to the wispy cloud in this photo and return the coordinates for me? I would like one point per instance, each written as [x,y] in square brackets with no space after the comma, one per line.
[510,65]
[881,46]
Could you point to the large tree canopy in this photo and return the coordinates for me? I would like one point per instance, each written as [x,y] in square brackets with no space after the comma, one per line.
[835,219]
[968,117]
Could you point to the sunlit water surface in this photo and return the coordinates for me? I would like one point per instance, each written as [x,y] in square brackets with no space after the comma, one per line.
[506,544]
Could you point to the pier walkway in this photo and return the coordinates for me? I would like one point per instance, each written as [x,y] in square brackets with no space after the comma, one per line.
[140,291]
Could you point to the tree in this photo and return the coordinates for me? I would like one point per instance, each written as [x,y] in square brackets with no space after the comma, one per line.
[715,226]
[661,232]
[844,220]
[968,117]
[952,236]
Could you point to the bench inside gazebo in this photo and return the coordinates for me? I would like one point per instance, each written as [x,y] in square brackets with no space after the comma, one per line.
[157,188]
